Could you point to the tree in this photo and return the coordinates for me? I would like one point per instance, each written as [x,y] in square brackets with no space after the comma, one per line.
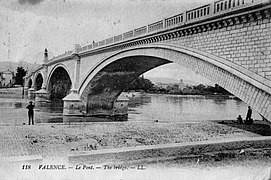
[21,72]
[140,84]
[221,90]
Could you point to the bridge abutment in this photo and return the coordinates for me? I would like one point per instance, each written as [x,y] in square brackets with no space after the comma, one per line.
[73,105]
[31,93]
[42,96]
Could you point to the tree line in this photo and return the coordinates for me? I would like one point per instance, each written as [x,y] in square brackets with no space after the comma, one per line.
[142,84]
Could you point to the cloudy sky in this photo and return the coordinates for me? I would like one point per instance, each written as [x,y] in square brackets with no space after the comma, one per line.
[33,25]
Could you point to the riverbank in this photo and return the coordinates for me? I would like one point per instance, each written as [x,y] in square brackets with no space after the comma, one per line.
[134,94]
[16,92]
[54,142]
[57,140]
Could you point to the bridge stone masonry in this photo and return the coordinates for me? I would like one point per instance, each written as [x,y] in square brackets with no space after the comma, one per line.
[226,41]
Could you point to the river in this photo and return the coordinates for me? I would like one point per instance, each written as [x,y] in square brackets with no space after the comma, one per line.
[163,107]
[146,107]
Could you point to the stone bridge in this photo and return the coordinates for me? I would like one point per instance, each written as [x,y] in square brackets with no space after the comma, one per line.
[226,41]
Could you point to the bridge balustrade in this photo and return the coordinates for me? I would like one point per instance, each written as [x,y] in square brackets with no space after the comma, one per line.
[198,13]
[109,40]
[90,46]
[141,30]
[128,34]
[218,6]
[84,48]
[223,5]
[155,26]
[95,45]
[118,38]
[66,53]
[175,20]
[101,43]
[80,49]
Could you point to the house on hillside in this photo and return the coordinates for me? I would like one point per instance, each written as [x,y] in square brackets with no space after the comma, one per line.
[7,79]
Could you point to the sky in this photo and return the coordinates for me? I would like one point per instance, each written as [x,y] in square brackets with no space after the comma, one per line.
[27,27]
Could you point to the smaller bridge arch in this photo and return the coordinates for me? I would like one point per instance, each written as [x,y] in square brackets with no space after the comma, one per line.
[29,83]
[38,81]
[59,82]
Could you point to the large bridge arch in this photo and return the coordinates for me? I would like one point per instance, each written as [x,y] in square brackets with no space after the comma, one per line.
[59,82]
[246,85]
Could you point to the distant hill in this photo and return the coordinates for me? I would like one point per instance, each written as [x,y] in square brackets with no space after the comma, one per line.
[12,66]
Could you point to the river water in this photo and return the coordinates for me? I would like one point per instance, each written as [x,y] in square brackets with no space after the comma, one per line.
[146,107]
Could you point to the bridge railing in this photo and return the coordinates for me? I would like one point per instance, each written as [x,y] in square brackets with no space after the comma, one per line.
[156,26]
[118,38]
[128,35]
[198,13]
[95,45]
[66,53]
[223,5]
[109,40]
[192,15]
[141,30]
[102,43]
[174,20]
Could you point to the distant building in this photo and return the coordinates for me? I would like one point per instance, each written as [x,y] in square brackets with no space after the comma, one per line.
[7,79]
[162,85]
[176,86]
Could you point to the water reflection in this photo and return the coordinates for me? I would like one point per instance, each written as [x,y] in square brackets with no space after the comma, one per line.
[50,107]
[78,119]
[139,101]
[9,103]
[18,105]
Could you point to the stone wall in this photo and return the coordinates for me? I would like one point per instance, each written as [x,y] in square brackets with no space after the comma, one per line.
[245,40]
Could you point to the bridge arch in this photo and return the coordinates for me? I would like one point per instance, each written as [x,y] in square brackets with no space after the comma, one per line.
[246,85]
[29,83]
[38,81]
[59,82]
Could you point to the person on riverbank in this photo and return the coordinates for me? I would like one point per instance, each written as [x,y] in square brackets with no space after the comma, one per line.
[249,120]
[239,120]
[30,108]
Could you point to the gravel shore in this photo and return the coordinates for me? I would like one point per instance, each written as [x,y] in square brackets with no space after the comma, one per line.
[57,140]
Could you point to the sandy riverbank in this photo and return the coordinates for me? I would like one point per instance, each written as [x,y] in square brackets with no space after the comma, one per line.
[56,140]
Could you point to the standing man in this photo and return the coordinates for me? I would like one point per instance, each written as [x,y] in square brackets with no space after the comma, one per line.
[30,108]
[249,113]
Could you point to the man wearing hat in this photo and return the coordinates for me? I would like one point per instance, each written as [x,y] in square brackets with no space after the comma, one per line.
[30,108]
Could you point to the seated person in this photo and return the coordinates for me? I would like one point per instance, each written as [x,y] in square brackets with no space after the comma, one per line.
[239,119]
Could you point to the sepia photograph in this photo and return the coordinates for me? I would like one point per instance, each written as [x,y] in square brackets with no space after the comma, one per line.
[135,89]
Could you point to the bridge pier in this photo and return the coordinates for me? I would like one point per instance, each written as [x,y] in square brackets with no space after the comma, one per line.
[42,96]
[25,91]
[73,105]
[120,108]
[31,93]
